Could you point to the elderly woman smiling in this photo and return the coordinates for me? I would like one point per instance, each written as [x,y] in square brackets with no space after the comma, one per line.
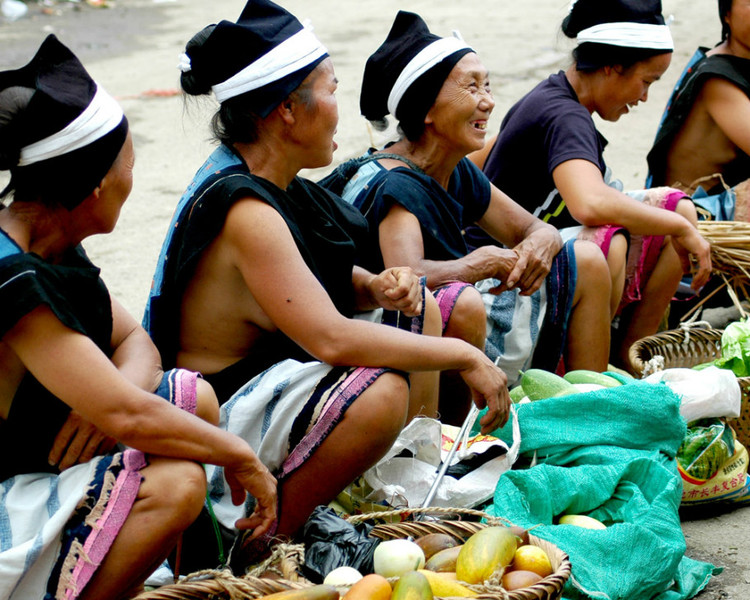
[421,192]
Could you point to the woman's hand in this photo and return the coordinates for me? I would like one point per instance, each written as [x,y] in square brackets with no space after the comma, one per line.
[694,245]
[398,289]
[78,441]
[535,255]
[489,388]
[254,478]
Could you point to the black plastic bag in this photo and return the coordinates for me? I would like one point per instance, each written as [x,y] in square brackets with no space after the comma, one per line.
[332,542]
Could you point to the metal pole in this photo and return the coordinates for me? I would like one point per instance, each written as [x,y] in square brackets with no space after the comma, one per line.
[470,418]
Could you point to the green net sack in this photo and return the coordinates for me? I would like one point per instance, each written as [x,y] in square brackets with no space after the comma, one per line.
[608,454]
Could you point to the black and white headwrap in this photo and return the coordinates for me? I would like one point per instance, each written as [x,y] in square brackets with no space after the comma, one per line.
[70,132]
[626,24]
[404,75]
[265,56]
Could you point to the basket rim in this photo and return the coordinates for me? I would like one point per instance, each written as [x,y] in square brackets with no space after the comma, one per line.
[204,584]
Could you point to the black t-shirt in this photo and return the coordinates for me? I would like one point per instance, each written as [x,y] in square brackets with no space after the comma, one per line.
[547,127]
[77,296]
[443,214]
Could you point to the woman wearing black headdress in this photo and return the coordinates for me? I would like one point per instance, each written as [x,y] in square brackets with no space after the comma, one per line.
[77,520]
[549,156]
[258,282]
[539,300]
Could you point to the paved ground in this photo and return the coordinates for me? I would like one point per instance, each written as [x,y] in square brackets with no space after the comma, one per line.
[132,48]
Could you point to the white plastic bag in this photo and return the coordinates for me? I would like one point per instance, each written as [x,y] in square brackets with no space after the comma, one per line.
[407,479]
[709,392]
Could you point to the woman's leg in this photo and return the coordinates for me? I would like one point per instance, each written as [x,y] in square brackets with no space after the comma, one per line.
[642,318]
[169,499]
[617,261]
[369,428]
[589,324]
[468,322]
[423,389]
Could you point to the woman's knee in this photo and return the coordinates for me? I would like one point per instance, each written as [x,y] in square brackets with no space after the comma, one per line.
[384,406]
[590,260]
[468,319]
[175,487]
[207,405]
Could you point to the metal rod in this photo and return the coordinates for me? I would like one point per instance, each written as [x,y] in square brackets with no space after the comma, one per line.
[470,418]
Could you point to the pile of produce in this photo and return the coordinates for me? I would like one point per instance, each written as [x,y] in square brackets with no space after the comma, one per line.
[537,384]
[436,565]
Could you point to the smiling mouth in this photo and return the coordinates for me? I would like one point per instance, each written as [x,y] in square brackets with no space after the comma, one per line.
[481,125]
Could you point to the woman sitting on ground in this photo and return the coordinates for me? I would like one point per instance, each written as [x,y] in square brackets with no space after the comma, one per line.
[257,283]
[549,156]
[420,193]
[98,528]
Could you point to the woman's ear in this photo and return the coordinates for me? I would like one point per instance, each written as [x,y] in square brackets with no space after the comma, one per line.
[286,110]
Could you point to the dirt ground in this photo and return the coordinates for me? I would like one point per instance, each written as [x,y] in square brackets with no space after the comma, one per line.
[132,46]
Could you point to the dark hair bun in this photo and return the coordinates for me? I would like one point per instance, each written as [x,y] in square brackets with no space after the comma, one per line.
[196,81]
[587,13]
[13,102]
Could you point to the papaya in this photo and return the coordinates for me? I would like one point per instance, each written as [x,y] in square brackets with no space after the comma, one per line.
[370,587]
[586,376]
[316,592]
[485,552]
[581,521]
[443,561]
[412,586]
[432,543]
[444,585]
[540,384]
[516,394]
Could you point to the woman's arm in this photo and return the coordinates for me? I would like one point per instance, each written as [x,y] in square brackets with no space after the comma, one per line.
[401,243]
[592,202]
[71,367]
[729,107]
[136,357]
[134,354]
[264,251]
[536,243]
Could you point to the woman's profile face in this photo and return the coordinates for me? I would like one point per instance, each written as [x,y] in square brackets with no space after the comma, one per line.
[318,114]
[115,187]
[625,88]
[463,106]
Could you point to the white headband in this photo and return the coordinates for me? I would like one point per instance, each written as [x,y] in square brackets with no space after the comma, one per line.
[628,35]
[289,56]
[425,59]
[101,116]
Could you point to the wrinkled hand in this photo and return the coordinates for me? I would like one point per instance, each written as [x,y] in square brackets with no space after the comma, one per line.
[694,245]
[495,262]
[254,478]
[78,441]
[489,388]
[398,289]
[535,256]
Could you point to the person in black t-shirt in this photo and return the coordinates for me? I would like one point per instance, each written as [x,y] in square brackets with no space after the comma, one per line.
[548,156]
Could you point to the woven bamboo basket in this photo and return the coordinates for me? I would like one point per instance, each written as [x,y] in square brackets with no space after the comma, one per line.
[730,254]
[687,348]
[458,522]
